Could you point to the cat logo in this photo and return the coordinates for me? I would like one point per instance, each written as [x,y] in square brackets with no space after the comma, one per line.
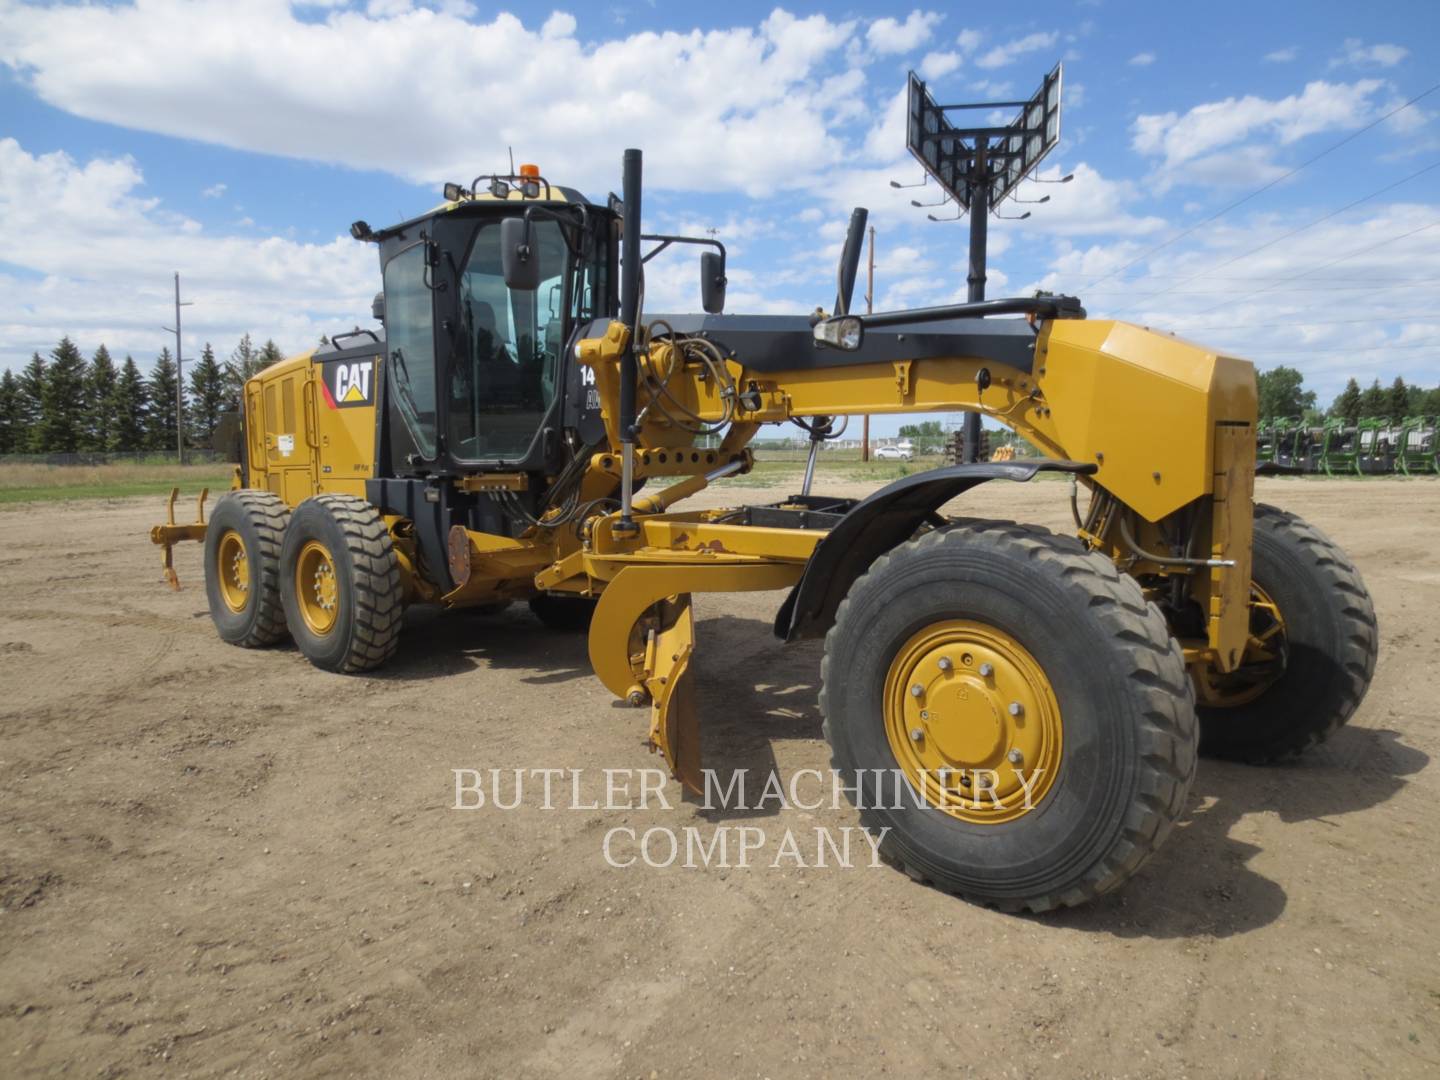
[347,383]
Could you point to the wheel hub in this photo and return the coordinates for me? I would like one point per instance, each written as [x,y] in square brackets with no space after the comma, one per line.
[316,587]
[1266,655]
[973,721]
[233,571]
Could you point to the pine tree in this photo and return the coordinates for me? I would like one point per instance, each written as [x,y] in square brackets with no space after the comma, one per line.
[207,395]
[1374,401]
[160,404]
[62,405]
[1431,404]
[99,392]
[270,354]
[127,431]
[244,363]
[32,394]
[12,429]
[1347,405]
[1399,404]
[1414,400]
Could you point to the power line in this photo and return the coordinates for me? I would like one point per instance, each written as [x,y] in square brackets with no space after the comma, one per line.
[1427,343]
[1266,187]
[1299,319]
[1292,232]
[1364,287]
[1351,255]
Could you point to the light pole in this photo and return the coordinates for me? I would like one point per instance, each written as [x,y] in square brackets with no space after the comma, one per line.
[979,167]
[179,375]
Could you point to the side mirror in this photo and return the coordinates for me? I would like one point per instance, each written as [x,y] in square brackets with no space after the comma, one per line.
[377,307]
[519,259]
[712,282]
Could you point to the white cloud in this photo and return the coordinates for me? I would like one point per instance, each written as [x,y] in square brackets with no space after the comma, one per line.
[1143,59]
[968,40]
[937,64]
[1358,54]
[892,36]
[1178,139]
[735,109]
[96,254]
[1011,51]
[1282,56]
[214,191]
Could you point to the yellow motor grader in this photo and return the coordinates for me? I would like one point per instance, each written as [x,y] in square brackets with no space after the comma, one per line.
[522,429]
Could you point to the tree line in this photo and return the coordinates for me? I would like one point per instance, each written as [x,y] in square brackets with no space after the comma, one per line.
[67,404]
[1283,396]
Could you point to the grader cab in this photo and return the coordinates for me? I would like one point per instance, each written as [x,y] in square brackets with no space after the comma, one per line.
[1017,713]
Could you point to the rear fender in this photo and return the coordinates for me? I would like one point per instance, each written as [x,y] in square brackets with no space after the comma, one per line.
[874,526]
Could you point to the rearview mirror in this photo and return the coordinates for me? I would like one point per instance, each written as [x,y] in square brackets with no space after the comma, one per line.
[712,282]
[519,258]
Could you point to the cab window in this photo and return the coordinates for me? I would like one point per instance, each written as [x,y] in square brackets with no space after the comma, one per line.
[410,344]
[504,374]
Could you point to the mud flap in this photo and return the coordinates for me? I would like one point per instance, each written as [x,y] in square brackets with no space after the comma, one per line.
[674,723]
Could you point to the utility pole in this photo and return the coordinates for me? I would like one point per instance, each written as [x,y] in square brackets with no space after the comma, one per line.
[869,309]
[179,375]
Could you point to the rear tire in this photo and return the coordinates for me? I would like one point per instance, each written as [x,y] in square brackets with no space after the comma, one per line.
[1127,731]
[242,568]
[340,583]
[1331,643]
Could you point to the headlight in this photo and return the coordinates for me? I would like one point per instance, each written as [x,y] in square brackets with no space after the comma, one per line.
[846,332]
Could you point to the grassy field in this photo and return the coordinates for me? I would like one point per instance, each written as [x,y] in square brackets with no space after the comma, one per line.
[25,483]
[49,483]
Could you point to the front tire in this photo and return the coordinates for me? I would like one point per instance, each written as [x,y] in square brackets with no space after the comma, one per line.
[242,568]
[1322,636]
[340,583]
[948,634]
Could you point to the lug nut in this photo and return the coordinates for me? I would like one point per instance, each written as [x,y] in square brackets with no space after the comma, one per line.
[1015,757]
[924,714]
[916,734]
[986,670]
[945,664]
[1016,709]
[917,690]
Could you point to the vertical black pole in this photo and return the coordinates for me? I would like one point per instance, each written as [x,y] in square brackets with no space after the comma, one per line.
[850,259]
[629,313]
[979,182]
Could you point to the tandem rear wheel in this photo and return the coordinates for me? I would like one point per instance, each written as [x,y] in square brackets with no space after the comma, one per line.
[242,568]
[340,584]
[1032,702]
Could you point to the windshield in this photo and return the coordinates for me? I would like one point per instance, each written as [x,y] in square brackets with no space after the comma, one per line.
[504,374]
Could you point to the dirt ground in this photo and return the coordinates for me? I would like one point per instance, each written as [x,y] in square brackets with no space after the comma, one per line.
[217,861]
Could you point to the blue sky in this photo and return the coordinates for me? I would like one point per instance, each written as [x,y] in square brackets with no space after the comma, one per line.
[235,142]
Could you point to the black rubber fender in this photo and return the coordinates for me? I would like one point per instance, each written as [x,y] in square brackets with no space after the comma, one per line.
[872,527]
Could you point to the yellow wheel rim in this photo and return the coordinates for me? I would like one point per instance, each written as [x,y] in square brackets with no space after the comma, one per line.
[973,722]
[316,591]
[1263,662]
[233,571]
